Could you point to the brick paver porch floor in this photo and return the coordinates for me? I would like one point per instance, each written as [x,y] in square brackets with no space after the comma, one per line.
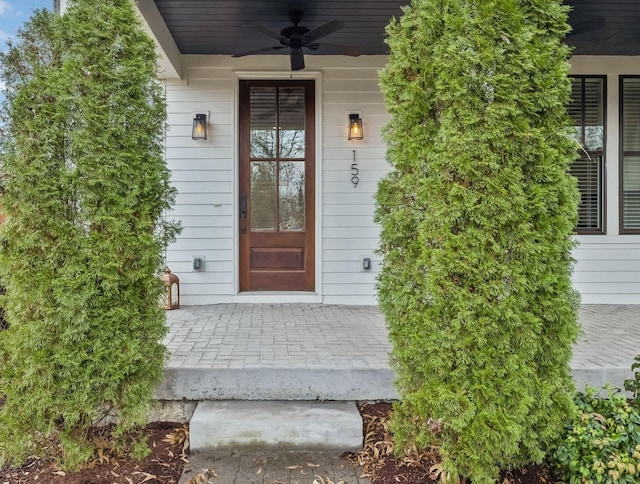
[316,336]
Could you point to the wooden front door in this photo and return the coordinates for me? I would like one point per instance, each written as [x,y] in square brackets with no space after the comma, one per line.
[277,181]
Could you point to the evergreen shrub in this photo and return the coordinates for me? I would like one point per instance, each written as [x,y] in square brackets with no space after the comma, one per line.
[85,190]
[477,216]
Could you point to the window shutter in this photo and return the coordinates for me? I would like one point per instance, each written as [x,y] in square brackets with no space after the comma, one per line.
[631,192]
[631,154]
[588,171]
[631,114]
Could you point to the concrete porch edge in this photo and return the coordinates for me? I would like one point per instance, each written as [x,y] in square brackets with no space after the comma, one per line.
[276,384]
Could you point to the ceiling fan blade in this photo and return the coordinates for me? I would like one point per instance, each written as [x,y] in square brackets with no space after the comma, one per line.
[297,59]
[323,30]
[340,49]
[588,26]
[264,30]
[260,51]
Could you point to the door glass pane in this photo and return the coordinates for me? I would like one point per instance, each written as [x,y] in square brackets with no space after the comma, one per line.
[291,196]
[263,106]
[292,118]
[263,196]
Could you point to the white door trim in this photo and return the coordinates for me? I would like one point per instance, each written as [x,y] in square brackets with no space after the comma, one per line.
[278,297]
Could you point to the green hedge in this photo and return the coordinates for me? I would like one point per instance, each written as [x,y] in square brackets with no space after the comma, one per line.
[85,190]
[477,216]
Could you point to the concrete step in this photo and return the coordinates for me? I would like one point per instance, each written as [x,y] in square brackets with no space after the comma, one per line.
[276,384]
[286,425]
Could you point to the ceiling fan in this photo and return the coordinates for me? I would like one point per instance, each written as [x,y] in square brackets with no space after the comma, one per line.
[296,37]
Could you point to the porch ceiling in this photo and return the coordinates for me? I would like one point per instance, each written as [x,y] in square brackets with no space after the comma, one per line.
[603,27]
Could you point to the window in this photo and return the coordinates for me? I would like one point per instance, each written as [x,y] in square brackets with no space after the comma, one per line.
[630,155]
[587,109]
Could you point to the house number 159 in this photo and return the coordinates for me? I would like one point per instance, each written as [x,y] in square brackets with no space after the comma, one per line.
[354,171]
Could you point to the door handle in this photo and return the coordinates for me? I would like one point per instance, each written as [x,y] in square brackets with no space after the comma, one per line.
[243,213]
[243,206]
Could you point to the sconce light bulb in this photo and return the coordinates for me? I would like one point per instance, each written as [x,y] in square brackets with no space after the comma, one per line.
[199,130]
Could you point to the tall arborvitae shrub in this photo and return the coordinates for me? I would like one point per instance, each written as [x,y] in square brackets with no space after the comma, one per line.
[85,189]
[477,217]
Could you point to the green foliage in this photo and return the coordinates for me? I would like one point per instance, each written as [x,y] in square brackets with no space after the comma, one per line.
[85,190]
[633,386]
[602,442]
[477,216]
[141,449]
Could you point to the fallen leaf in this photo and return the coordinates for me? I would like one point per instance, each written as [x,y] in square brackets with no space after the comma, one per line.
[147,477]
[198,479]
[436,472]
[203,477]
[101,442]
[322,480]
[178,436]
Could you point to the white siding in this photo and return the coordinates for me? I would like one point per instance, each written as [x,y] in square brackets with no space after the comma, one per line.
[349,232]
[607,267]
[204,172]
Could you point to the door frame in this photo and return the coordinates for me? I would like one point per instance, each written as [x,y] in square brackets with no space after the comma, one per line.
[275,297]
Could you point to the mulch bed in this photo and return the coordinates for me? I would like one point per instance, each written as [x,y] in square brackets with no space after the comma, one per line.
[382,467]
[169,451]
[168,442]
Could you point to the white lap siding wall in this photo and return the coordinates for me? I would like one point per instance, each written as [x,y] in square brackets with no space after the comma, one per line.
[205,175]
[607,267]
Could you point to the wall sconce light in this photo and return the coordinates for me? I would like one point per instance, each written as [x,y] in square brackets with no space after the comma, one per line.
[171,297]
[355,127]
[199,127]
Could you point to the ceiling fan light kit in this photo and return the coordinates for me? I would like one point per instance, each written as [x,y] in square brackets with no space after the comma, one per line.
[297,37]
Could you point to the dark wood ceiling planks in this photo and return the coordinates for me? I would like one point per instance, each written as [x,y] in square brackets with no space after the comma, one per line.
[608,27]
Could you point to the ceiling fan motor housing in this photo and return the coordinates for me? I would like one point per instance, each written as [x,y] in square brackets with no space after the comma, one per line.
[293,36]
